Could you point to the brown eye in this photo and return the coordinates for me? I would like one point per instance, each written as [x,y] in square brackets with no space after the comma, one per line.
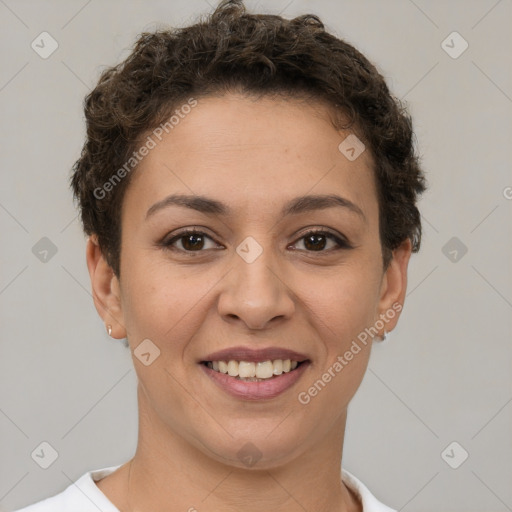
[317,241]
[190,241]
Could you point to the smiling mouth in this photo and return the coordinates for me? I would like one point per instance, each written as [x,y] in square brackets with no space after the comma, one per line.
[258,371]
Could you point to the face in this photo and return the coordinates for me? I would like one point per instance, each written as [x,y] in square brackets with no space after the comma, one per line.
[265,277]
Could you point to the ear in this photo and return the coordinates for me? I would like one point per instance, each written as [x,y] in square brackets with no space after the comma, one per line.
[105,289]
[394,286]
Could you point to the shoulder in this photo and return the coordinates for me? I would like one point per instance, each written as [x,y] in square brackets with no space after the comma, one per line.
[81,496]
[369,502]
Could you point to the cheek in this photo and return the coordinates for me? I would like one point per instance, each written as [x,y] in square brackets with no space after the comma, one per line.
[162,301]
[341,307]
[341,303]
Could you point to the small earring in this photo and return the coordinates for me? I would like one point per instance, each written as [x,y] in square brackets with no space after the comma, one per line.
[109,330]
[385,337]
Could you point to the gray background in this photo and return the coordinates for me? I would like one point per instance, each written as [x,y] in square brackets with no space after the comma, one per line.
[445,374]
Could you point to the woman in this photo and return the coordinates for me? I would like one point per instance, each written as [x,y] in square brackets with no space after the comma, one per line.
[249,188]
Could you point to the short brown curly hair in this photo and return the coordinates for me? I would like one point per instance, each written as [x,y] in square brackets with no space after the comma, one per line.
[232,50]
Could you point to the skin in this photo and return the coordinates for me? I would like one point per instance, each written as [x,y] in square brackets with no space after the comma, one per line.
[253,156]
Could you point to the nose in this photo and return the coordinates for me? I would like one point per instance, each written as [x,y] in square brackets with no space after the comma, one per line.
[256,294]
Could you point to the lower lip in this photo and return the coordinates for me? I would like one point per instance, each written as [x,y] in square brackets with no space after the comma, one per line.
[262,390]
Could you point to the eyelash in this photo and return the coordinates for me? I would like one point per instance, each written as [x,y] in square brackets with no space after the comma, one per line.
[342,244]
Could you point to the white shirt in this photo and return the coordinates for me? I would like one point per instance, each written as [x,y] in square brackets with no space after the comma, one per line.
[85,496]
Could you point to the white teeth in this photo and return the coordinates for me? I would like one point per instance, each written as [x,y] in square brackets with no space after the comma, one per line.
[278,366]
[246,369]
[233,368]
[250,371]
[264,370]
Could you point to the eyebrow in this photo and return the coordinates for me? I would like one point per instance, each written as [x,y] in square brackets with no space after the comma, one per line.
[295,206]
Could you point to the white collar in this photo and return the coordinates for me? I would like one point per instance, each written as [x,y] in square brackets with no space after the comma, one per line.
[85,492]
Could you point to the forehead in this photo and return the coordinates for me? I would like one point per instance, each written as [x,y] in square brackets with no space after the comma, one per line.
[245,151]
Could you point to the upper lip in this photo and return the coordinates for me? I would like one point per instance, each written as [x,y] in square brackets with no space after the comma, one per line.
[254,355]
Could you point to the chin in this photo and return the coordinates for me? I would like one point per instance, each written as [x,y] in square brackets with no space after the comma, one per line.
[254,449]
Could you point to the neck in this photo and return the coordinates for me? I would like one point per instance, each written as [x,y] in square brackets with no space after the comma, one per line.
[167,469]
